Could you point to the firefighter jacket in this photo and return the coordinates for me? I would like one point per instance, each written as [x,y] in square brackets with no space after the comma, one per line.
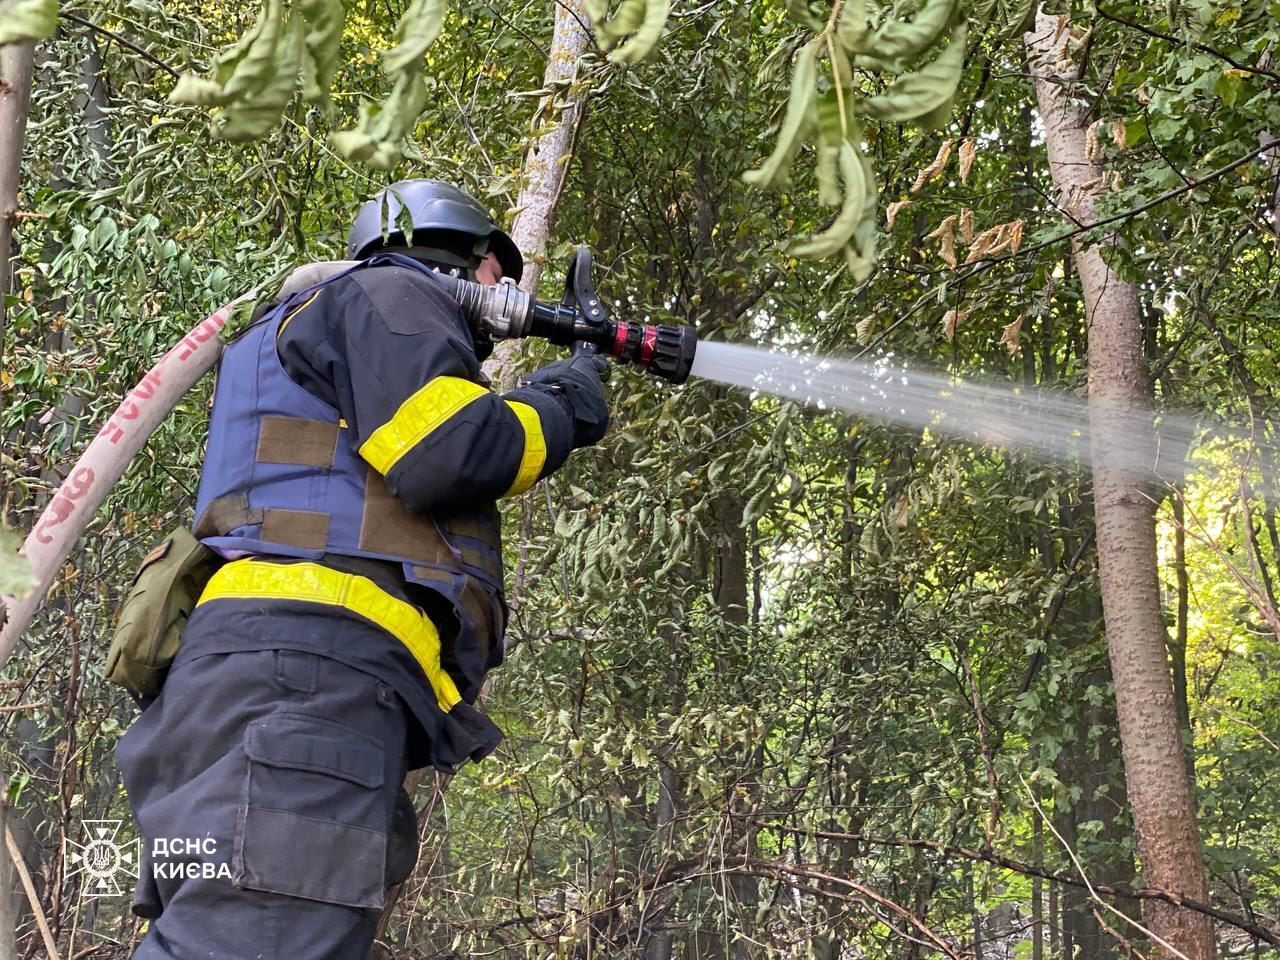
[351,424]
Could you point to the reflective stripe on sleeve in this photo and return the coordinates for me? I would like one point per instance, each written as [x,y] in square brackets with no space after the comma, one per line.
[312,583]
[417,418]
[535,448]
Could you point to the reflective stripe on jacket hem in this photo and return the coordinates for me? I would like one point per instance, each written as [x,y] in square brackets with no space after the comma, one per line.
[534,457]
[313,583]
[417,418]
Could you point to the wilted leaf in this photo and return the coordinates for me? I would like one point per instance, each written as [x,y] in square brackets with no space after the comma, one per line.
[416,30]
[891,212]
[841,229]
[324,22]
[646,37]
[901,40]
[1011,336]
[951,320]
[936,167]
[968,152]
[945,235]
[926,94]
[799,116]
[1119,134]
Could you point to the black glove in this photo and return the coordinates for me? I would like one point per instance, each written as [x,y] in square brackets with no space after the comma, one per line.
[578,380]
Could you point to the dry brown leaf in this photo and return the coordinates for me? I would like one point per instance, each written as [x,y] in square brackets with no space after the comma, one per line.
[1011,336]
[946,226]
[966,225]
[1015,235]
[985,243]
[951,320]
[902,512]
[945,235]
[891,212]
[947,249]
[936,167]
[1092,149]
[968,152]
[1119,134]
[1063,22]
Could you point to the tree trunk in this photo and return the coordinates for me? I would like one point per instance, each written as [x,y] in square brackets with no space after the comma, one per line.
[546,166]
[16,63]
[1152,745]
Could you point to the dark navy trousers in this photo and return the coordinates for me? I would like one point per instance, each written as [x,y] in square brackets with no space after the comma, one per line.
[266,786]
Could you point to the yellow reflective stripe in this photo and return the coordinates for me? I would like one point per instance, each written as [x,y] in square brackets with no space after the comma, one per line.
[417,417]
[293,313]
[255,580]
[535,448]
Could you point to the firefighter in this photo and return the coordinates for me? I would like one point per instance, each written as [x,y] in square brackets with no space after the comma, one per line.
[355,459]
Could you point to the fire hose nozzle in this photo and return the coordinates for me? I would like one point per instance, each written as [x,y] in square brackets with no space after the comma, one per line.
[665,350]
[504,311]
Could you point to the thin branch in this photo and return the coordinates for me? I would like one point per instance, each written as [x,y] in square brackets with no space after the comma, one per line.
[989,856]
[20,867]
[111,34]
[1177,42]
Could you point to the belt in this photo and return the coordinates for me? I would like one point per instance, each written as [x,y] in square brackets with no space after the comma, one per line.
[313,583]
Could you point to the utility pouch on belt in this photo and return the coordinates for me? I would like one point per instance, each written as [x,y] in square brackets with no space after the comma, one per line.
[155,613]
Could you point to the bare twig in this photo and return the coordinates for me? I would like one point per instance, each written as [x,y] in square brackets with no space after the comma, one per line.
[33,898]
[15,707]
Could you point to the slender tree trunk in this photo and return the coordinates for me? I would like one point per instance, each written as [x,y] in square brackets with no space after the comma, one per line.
[16,63]
[1178,648]
[1152,745]
[546,165]
[1037,891]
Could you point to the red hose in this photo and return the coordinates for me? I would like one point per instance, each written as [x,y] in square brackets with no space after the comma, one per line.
[143,409]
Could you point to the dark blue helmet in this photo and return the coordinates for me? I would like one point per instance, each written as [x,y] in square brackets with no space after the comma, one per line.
[437,209]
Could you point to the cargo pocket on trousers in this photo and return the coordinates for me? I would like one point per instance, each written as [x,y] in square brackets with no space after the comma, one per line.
[314,824]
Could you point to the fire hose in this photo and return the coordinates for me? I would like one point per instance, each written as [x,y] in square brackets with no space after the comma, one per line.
[502,310]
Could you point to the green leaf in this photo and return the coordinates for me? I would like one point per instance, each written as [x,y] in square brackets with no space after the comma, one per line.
[646,36]
[899,40]
[855,194]
[29,20]
[324,19]
[925,93]
[416,30]
[799,117]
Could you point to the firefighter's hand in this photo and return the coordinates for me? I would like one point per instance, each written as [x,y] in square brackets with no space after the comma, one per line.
[578,381]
